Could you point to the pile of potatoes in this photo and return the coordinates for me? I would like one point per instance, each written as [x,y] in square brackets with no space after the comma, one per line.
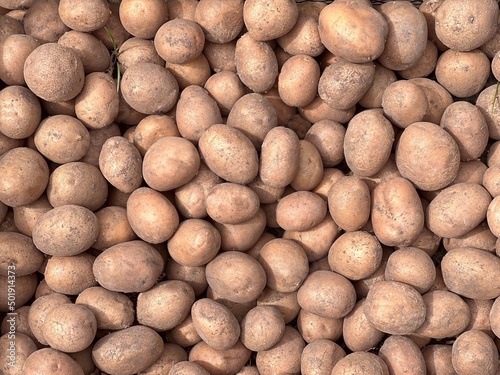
[249,187]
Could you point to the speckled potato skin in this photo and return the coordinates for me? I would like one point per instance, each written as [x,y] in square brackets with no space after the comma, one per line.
[18,249]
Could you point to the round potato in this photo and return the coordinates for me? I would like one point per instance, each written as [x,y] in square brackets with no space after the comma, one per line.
[193,72]
[438,359]
[51,361]
[17,348]
[474,352]
[208,14]
[70,275]
[310,171]
[85,16]
[18,250]
[15,49]
[313,327]
[320,356]
[269,21]
[114,227]
[137,50]
[225,87]
[143,20]
[187,367]
[328,137]
[360,363]
[152,128]
[404,103]
[299,71]
[381,80]
[396,347]
[21,112]
[358,333]
[262,328]
[172,354]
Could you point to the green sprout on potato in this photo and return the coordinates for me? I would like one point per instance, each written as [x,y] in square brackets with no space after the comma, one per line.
[495,97]
[115,64]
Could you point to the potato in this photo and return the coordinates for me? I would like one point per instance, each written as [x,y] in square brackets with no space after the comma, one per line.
[137,50]
[318,110]
[267,194]
[303,38]
[149,88]
[77,183]
[328,138]
[141,19]
[21,323]
[152,128]
[112,310]
[434,163]
[480,310]
[285,302]
[256,63]
[236,276]
[38,16]
[395,348]
[490,180]
[184,334]
[474,352]
[355,255]
[85,16]
[311,211]
[395,308]
[138,347]
[269,21]
[172,354]
[447,315]
[179,40]
[220,362]
[471,171]
[170,163]
[229,154]
[62,139]
[262,328]
[17,348]
[21,112]
[65,230]
[313,327]
[361,363]
[402,48]
[97,139]
[397,215]
[165,305]
[114,227]
[358,333]
[128,267]
[15,49]
[208,14]
[215,323]
[382,78]
[220,57]
[349,203]
[192,123]
[412,266]
[464,27]
[225,87]
[7,143]
[285,355]
[404,103]
[25,288]
[320,356]
[299,71]
[193,72]
[186,367]
[471,273]
[425,66]
[70,275]
[51,361]
[39,310]
[445,215]
[438,359]
[18,250]
[310,169]
[367,150]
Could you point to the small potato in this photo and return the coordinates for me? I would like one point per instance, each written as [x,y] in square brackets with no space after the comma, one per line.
[60,63]
[404,103]
[397,215]
[62,139]
[70,275]
[491,180]
[269,21]
[208,14]
[120,162]
[229,154]
[355,255]
[367,150]
[313,327]
[395,308]
[220,362]
[112,310]
[17,250]
[77,183]
[15,49]
[320,356]
[474,352]
[17,347]
[349,203]
[438,359]
[310,169]
[170,163]
[447,315]
[128,267]
[215,323]
[139,348]
[304,37]
[51,361]
[141,19]
[256,63]
[151,215]
[438,97]
[490,110]
[358,333]
[232,272]
[137,50]
[230,203]
[434,163]
[301,210]
[193,72]
[360,363]
[225,87]
[165,305]
[464,200]
[395,348]
[480,311]
[7,143]
[20,112]
[152,128]
[65,230]
[299,71]
[471,273]
[328,137]
[69,328]
[38,16]
[262,328]
[382,79]
[114,227]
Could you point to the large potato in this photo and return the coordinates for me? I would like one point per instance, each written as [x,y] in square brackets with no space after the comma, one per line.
[51,361]
[70,275]
[474,352]
[209,13]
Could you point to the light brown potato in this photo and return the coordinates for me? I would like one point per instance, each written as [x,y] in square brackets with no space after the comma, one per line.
[490,180]
[184,334]
[494,317]
[395,308]
[318,110]
[195,112]
[299,71]
[358,333]
[114,227]
[112,310]
[474,352]
[426,65]
[220,57]
[256,63]
[254,115]
[7,143]
[438,359]
[172,354]
[25,288]
[404,103]
[267,194]
[97,139]
[355,255]
[285,302]
[128,267]
[230,203]
[187,367]
[165,305]
[367,150]
[447,315]
[489,108]
[477,24]
[436,148]
[137,50]
[18,250]
[310,170]
[141,19]
[39,310]
[232,272]
[328,137]
[21,112]
[229,154]
[170,163]
[262,328]
[220,362]
[285,112]
[269,21]
[77,183]
[313,327]
[330,177]
[65,230]
[209,13]
[395,348]
[215,323]
[70,275]
[45,360]
[320,356]
[471,273]
[225,87]
[85,16]
[300,210]
[361,363]
[139,346]
[152,128]
[151,215]
[445,215]
[38,16]
[193,72]
[17,348]
[480,237]
[439,98]
[15,49]
[382,78]
[237,308]
[304,37]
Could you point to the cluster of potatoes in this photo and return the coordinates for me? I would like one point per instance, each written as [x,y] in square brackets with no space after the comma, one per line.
[249,187]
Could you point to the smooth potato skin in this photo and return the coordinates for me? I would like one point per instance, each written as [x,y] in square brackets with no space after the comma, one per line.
[18,249]
[45,360]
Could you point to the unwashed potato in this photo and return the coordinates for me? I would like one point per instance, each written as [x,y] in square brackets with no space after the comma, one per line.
[313,327]
[310,170]
[361,363]
[395,348]
[51,361]
[300,210]
[220,362]
[38,16]
[220,57]
[225,87]
[438,359]
[18,249]
[137,50]
[25,288]
[17,348]
[262,328]
[299,71]
[426,64]
[152,128]
[114,227]
[320,356]
[474,352]
[404,103]
[193,72]
[141,19]
[70,275]
[15,49]
[85,16]
[21,112]
[357,331]
[187,367]
[172,354]
[209,13]
[304,37]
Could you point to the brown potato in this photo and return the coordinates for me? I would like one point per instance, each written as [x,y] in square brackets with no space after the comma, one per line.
[17,348]
[395,348]
[474,352]
[404,103]
[85,16]
[17,250]
[358,333]
[438,359]
[187,367]
[318,110]
[7,143]
[137,50]
[382,79]
[490,180]
[262,328]
[269,21]
[172,354]
[152,128]
[304,37]
[141,19]
[313,210]
[208,14]
[114,227]
[97,139]
[21,112]
[328,137]
[128,267]
[361,363]
[184,334]
[310,169]
[15,49]
[39,310]
[51,361]
[25,288]
[70,275]
[439,98]
[220,57]
[320,356]
[220,362]
[286,303]
[426,65]
[267,194]
[299,71]
[225,87]
[193,72]
[38,16]
[313,327]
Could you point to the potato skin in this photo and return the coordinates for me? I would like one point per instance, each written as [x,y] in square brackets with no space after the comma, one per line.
[208,14]
[261,328]
[21,112]
[395,348]
[474,352]
[300,210]
[360,363]
[70,275]
[230,203]
[220,362]
[18,249]
[45,360]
